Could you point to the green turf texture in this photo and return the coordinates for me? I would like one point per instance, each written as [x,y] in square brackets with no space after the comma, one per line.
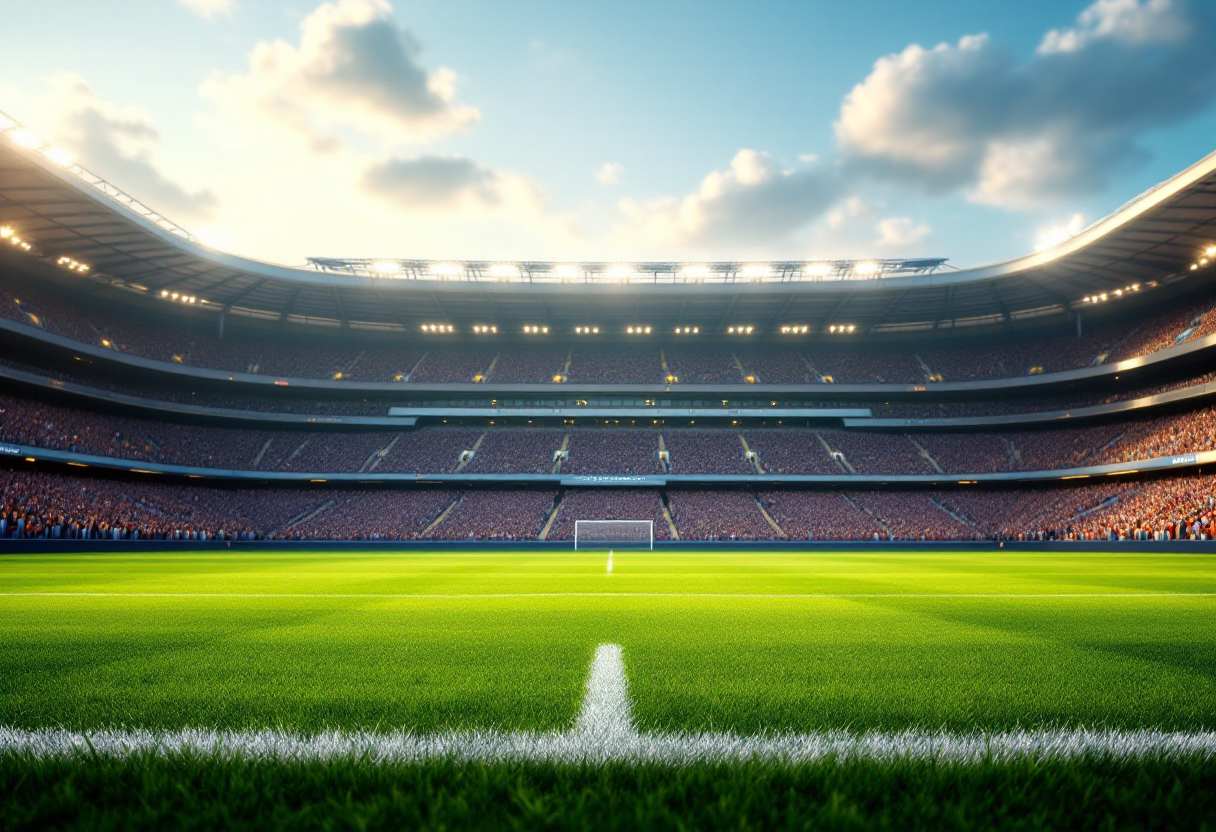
[746,663]
[183,793]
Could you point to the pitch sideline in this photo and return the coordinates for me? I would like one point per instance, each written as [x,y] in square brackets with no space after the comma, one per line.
[604,732]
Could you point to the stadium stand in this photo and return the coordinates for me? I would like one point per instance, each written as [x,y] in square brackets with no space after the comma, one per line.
[46,309]
[719,515]
[497,515]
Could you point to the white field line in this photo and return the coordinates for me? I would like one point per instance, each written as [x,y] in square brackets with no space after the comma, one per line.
[604,733]
[490,595]
[606,716]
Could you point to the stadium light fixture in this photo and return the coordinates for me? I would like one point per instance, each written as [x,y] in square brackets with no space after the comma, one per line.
[1210,251]
[694,272]
[446,269]
[531,329]
[386,267]
[566,272]
[485,329]
[59,156]
[818,269]
[797,329]
[756,271]
[501,271]
[73,265]
[27,138]
[620,272]
[868,267]
[739,330]
[5,233]
[438,328]
[688,330]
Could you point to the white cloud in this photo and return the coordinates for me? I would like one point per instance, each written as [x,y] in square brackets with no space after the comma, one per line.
[1129,21]
[609,173]
[1022,133]
[901,232]
[753,201]
[208,9]
[118,144]
[434,182]
[1054,235]
[355,67]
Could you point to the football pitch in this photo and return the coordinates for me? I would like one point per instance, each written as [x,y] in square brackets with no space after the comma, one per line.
[806,665]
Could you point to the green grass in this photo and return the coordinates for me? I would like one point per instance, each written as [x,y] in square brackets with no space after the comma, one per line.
[306,641]
[738,662]
[158,793]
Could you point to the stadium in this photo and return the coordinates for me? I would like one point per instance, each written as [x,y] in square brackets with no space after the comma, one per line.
[540,544]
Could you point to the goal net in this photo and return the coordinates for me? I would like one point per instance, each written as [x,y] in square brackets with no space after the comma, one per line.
[613,534]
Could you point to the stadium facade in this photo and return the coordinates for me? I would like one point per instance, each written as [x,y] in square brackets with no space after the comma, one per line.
[156,387]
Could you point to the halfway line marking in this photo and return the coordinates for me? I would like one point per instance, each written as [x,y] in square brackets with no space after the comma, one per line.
[604,732]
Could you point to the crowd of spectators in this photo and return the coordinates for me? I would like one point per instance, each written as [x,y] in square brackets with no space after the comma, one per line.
[968,453]
[791,452]
[819,515]
[428,451]
[770,366]
[189,344]
[719,515]
[38,504]
[706,452]
[713,451]
[608,504]
[1164,509]
[451,366]
[878,453]
[58,506]
[516,451]
[542,365]
[612,451]
[373,515]
[616,366]
[703,366]
[862,365]
[496,515]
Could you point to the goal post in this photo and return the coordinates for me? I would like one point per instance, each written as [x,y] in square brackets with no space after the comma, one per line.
[613,534]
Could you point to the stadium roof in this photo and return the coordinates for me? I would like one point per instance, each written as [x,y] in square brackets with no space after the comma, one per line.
[114,246]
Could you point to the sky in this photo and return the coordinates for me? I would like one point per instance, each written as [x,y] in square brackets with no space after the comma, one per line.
[975,130]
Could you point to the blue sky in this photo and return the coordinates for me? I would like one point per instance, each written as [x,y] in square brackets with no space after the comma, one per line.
[620,131]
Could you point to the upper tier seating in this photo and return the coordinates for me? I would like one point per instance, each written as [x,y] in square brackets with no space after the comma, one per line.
[691,362]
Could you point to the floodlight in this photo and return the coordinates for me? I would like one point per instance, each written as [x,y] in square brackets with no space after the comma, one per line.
[867,267]
[446,269]
[818,269]
[1210,251]
[386,267]
[695,272]
[757,271]
[620,272]
[5,233]
[566,272]
[26,138]
[1194,267]
[503,271]
[59,156]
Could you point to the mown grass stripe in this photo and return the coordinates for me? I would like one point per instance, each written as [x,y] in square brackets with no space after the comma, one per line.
[493,595]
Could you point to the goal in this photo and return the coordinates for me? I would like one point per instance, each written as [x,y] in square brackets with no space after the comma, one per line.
[613,534]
